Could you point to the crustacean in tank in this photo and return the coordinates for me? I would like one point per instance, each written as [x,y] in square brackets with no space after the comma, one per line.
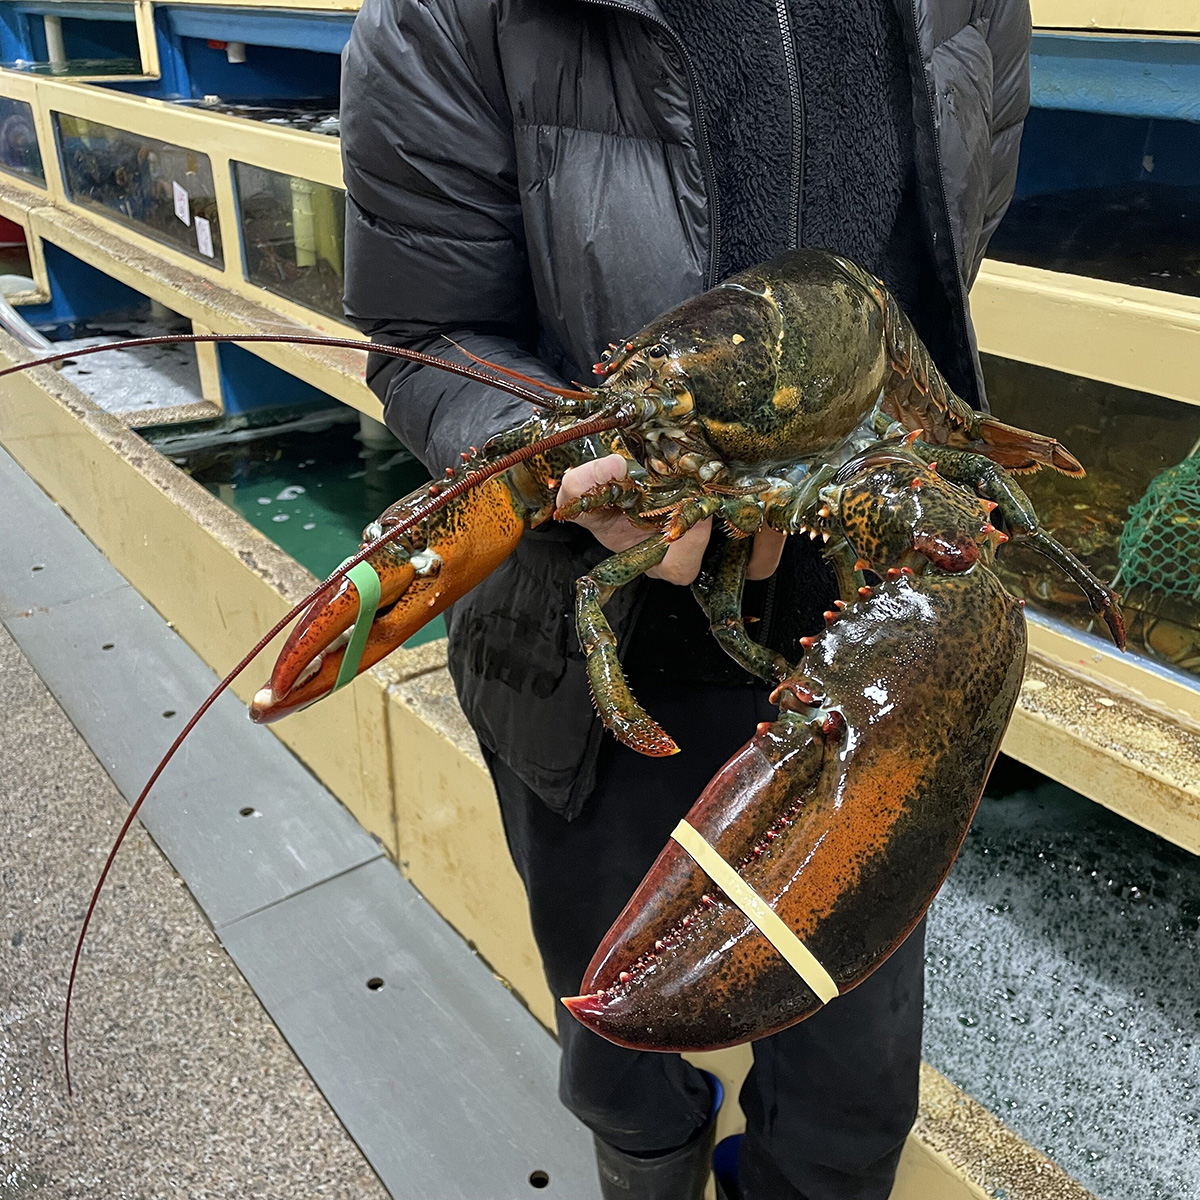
[795,396]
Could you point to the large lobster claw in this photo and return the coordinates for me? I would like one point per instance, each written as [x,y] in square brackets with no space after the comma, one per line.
[843,816]
[420,574]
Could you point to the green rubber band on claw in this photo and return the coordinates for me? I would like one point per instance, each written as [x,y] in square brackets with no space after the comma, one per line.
[366,581]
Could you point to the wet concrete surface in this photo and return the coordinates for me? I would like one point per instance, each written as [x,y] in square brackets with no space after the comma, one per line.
[183,1085]
[1063,987]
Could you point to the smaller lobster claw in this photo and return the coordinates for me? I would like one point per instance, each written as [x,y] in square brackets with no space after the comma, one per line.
[458,547]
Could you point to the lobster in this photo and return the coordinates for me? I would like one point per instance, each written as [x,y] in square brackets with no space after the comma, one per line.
[796,396]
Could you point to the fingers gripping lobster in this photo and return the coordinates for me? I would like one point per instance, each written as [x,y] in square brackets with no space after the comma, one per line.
[794,396]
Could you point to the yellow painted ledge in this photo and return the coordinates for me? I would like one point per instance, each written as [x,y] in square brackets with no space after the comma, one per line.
[1139,762]
[1131,337]
[395,747]
[1127,16]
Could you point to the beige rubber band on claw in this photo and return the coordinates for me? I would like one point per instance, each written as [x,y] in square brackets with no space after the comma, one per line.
[758,911]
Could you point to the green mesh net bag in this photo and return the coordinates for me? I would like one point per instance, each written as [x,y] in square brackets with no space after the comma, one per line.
[1160,544]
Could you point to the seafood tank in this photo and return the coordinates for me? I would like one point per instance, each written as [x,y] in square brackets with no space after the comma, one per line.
[19,153]
[159,189]
[1109,197]
[1134,519]
[1061,964]
[73,40]
[293,235]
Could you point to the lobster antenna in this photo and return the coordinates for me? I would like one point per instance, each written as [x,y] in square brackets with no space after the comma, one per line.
[566,393]
[417,356]
[440,496]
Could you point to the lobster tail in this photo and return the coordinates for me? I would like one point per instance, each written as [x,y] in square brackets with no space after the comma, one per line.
[1020,451]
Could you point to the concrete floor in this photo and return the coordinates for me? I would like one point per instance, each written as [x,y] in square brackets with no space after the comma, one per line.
[183,1085]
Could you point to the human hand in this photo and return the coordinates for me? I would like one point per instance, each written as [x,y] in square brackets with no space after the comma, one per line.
[613,530]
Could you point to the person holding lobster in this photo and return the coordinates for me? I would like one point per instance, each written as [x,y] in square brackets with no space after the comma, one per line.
[534,179]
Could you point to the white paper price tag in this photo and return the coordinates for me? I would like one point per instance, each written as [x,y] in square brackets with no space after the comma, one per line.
[183,208]
[204,241]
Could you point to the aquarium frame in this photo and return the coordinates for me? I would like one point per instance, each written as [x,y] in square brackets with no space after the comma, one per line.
[1132,337]
[16,86]
[223,139]
[1153,684]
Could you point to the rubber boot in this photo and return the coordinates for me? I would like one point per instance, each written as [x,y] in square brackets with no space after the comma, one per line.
[725,1166]
[678,1175]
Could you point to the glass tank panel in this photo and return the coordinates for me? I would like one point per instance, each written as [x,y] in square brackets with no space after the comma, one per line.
[19,151]
[1134,519]
[1114,198]
[162,190]
[293,232]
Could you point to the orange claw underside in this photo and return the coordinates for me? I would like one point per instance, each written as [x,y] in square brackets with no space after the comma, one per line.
[468,542]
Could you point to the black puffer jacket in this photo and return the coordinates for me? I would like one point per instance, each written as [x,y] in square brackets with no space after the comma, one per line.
[532,178]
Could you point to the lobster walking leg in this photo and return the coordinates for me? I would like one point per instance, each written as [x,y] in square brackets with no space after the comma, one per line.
[718,590]
[615,701]
[1021,521]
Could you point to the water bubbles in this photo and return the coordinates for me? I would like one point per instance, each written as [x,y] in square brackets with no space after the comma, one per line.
[280,517]
[309,525]
[967,1021]
[294,491]
[264,499]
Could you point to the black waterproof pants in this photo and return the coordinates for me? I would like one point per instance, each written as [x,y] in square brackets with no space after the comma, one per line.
[828,1102]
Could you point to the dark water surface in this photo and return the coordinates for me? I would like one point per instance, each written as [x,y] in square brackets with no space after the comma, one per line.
[1145,234]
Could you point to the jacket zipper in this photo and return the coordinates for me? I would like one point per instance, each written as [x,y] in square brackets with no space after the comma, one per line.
[931,113]
[706,167]
[796,182]
[796,186]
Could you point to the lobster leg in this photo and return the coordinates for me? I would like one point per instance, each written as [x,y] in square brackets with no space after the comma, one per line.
[1021,520]
[615,701]
[718,590]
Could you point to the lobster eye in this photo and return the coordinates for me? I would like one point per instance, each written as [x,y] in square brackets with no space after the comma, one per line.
[657,355]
